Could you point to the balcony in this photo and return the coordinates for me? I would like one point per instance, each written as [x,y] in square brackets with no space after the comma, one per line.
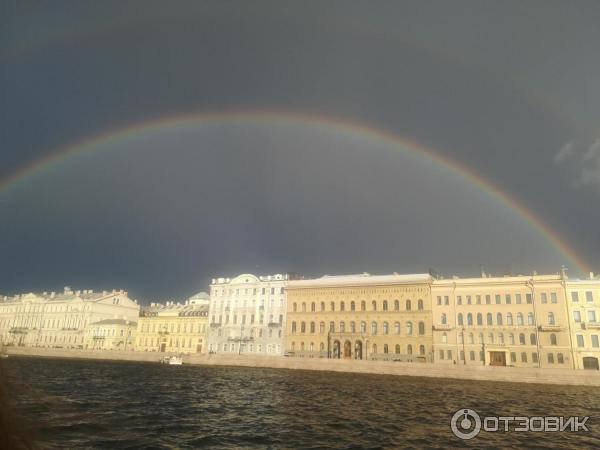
[442,327]
[591,325]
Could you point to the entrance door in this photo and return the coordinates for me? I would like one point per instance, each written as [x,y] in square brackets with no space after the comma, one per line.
[590,363]
[163,347]
[358,350]
[347,350]
[497,359]
[336,349]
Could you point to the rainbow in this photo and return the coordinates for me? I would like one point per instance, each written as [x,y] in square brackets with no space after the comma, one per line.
[343,125]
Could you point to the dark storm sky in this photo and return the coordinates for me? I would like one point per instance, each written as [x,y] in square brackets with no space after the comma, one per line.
[508,89]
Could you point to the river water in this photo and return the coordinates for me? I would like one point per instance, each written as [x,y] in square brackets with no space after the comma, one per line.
[99,404]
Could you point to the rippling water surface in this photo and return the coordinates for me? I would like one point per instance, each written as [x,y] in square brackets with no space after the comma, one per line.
[98,404]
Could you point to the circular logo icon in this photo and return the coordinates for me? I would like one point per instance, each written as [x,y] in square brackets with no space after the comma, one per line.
[465,424]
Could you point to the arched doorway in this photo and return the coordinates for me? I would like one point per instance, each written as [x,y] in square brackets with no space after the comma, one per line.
[590,363]
[358,349]
[347,350]
[336,349]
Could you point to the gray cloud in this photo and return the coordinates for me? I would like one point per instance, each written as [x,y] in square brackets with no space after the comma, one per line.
[584,164]
[566,152]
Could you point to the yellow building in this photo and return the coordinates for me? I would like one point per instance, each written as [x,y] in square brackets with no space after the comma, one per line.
[517,321]
[110,334]
[583,300]
[173,327]
[385,317]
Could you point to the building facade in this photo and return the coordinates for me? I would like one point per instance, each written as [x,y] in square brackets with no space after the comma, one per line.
[247,314]
[385,317]
[110,334]
[583,302]
[519,321]
[173,327]
[59,320]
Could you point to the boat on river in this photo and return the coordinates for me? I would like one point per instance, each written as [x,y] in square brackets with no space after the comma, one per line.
[172,360]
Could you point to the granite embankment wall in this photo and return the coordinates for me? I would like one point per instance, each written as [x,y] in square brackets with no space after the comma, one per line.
[487,373]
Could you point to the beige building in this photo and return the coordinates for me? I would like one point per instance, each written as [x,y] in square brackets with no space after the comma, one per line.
[519,321]
[173,327]
[59,320]
[385,317]
[110,334]
[583,302]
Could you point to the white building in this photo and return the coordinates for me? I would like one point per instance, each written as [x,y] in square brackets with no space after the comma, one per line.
[59,320]
[247,314]
[110,334]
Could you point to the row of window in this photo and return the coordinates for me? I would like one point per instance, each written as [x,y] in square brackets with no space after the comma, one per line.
[374,348]
[489,319]
[180,328]
[250,348]
[448,355]
[246,291]
[385,329]
[252,332]
[594,340]
[234,320]
[243,304]
[150,341]
[589,297]
[500,339]
[385,306]
[591,316]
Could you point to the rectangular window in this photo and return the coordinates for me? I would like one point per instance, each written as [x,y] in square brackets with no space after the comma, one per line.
[441,354]
[553,297]
[518,299]
[446,300]
[488,299]
[468,299]
[449,354]
[560,358]
[508,299]
[497,299]
[459,300]
[534,357]
[575,297]
[576,316]
[591,316]
[462,355]
[550,358]
[544,297]
[439,300]
[513,357]
[479,299]
[528,299]
[472,355]
[589,297]
[595,341]
[523,357]
[580,341]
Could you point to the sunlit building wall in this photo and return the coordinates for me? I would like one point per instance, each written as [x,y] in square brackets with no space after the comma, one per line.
[516,321]
[110,334]
[583,301]
[173,327]
[59,320]
[247,314]
[383,317]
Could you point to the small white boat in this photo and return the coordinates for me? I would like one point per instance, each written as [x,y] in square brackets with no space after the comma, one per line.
[172,360]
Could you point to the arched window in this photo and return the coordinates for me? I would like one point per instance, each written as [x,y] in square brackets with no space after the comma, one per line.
[342,306]
[332,327]
[293,327]
[301,346]
[385,305]
[409,329]
[373,328]
[460,319]
[489,319]
[469,319]
[479,319]
[352,306]
[294,307]
[332,304]
[397,328]
[420,305]
[352,327]
[342,327]
[444,338]
[386,328]
[409,349]
[303,307]
[397,348]
[385,349]
[312,327]
[509,318]
[363,305]
[551,318]
[363,327]
[532,339]
[408,305]
[397,305]
[519,319]
[444,319]
[553,339]
[374,305]
[421,349]
[511,339]
[421,328]
[522,339]
[303,327]
[499,319]
[313,307]
[530,318]
[322,327]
